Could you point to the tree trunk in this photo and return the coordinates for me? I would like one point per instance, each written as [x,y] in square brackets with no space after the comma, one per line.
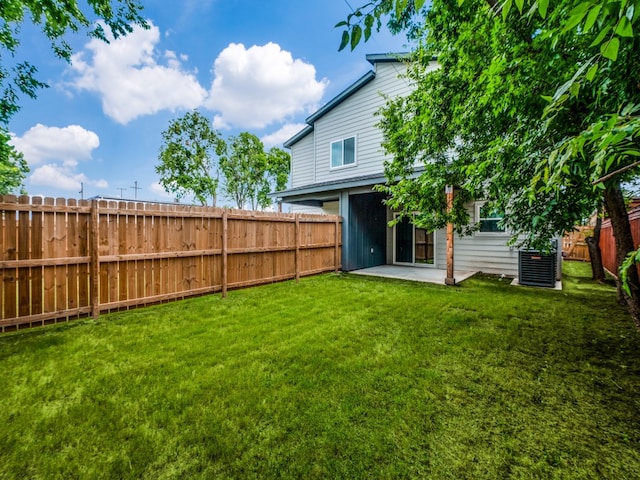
[621,227]
[595,254]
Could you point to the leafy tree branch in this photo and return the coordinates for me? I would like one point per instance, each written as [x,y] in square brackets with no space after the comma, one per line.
[55,19]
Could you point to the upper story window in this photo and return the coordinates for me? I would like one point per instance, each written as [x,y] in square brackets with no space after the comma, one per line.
[343,152]
[489,218]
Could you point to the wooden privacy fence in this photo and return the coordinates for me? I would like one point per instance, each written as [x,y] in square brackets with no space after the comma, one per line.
[574,246]
[63,259]
[608,245]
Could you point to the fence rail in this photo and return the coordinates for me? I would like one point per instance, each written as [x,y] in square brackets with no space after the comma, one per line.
[63,259]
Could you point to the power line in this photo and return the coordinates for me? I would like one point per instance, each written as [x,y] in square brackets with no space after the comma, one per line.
[121,190]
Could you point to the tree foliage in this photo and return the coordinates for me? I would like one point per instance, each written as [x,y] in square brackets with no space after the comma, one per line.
[13,168]
[189,158]
[476,122]
[56,19]
[534,108]
[250,173]
[277,174]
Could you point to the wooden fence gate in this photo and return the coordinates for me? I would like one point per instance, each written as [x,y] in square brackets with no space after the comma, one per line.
[574,246]
[62,259]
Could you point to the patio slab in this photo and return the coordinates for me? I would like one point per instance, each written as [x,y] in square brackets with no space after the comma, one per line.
[415,274]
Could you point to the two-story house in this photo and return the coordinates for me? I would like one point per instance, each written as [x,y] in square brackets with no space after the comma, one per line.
[337,159]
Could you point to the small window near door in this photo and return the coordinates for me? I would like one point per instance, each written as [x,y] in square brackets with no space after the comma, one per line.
[424,246]
[343,152]
[488,218]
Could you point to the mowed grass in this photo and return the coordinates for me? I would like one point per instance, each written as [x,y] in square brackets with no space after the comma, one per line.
[340,376]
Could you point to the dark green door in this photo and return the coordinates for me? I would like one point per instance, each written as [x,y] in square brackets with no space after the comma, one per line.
[367,231]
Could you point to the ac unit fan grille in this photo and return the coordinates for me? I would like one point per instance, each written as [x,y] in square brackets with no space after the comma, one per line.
[536,270]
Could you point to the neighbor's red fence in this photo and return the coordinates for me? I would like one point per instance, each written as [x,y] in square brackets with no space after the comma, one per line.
[63,259]
[607,242]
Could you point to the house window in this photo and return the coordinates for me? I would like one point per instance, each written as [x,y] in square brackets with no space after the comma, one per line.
[489,218]
[343,152]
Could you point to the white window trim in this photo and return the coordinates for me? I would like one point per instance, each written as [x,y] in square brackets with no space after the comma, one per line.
[355,153]
[478,206]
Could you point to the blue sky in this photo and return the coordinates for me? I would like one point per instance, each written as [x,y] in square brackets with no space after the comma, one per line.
[254,66]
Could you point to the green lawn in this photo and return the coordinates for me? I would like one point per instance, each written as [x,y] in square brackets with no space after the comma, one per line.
[340,376]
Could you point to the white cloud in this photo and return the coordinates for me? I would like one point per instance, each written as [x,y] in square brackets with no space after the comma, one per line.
[68,145]
[63,177]
[261,85]
[252,88]
[129,79]
[276,139]
[60,149]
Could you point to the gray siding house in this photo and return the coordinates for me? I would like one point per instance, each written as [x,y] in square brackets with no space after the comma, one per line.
[337,159]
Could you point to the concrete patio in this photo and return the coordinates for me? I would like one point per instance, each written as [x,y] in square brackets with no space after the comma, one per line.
[415,274]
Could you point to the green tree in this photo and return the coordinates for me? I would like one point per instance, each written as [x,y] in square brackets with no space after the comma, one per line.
[250,174]
[530,109]
[188,158]
[13,167]
[18,77]
[276,175]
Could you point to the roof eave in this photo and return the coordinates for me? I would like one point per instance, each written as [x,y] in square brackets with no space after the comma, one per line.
[374,58]
[298,136]
[337,100]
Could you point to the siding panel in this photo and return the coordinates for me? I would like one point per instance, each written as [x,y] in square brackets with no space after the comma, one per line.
[355,117]
[302,164]
[328,208]
[485,253]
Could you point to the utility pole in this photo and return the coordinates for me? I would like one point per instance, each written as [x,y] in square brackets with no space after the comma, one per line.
[121,190]
[135,189]
[81,192]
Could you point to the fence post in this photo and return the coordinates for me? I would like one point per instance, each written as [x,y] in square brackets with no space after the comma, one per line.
[225,231]
[297,259]
[94,267]
[336,255]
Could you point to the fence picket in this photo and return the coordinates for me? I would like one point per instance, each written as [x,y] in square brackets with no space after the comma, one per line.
[49,225]
[10,248]
[72,251]
[60,251]
[24,253]
[36,253]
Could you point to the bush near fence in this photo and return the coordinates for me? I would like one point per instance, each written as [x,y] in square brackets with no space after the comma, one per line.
[62,259]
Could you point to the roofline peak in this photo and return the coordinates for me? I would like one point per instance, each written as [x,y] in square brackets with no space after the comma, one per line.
[374,58]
